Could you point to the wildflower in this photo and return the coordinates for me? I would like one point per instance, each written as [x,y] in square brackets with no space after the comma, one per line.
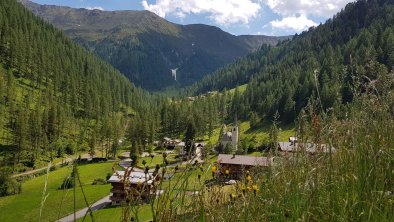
[243,188]
[227,172]
[249,178]
[255,188]
[214,168]
[232,197]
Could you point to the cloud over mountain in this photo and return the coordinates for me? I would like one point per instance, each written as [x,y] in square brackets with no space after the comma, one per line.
[295,23]
[223,12]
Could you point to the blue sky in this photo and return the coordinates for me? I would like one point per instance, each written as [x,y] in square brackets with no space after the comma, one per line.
[239,17]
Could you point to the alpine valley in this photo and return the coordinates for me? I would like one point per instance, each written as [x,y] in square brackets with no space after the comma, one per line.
[145,47]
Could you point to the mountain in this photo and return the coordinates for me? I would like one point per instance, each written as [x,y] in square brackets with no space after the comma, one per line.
[145,47]
[328,64]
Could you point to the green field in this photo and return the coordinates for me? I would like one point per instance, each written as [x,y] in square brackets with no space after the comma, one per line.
[59,203]
[258,135]
[115,213]
[157,159]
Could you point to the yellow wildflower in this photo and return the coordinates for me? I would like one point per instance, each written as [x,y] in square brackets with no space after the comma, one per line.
[255,188]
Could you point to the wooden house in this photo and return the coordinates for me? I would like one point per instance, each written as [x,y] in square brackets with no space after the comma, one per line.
[133,187]
[233,166]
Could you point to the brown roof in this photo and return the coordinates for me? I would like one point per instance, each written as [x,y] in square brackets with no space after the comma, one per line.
[244,160]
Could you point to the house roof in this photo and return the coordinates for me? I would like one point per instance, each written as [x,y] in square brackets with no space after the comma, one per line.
[134,177]
[244,160]
[308,147]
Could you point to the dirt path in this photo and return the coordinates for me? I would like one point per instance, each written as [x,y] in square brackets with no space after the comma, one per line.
[40,169]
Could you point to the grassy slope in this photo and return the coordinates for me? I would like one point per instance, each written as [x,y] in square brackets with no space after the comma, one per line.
[259,135]
[26,206]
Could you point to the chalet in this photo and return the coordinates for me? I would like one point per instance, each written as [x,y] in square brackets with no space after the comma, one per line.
[236,165]
[127,186]
[310,148]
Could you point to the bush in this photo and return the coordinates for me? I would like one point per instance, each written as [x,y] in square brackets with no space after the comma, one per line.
[68,182]
[52,168]
[108,176]
[99,181]
[70,148]
[8,186]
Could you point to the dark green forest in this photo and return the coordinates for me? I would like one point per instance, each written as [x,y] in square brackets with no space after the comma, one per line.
[53,93]
[330,63]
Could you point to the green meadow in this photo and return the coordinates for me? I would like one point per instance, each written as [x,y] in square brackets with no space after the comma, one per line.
[59,203]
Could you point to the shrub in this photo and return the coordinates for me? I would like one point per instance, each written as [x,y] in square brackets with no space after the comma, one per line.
[99,181]
[68,182]
[108,176]
[8,185]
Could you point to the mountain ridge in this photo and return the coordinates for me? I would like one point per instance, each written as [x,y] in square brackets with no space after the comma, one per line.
[133,40]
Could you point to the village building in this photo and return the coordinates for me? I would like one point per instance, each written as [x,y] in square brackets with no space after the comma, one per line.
[230,138]
[293,146]
[197,149]
[234,166]
[135,186]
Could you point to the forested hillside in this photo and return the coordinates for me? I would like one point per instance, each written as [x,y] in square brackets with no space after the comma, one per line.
[145,47]
[328,62]
[54,95]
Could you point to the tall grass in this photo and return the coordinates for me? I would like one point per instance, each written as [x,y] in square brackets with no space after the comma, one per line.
[354,183]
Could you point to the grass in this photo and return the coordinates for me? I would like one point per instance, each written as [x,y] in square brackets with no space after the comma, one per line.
[258,135]
[186,178]
[241,89]
[26,206]
[355,183]
[111,214]
[157,159]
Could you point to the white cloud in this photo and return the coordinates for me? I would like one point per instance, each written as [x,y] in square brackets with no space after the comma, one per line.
[295,13]
[321,8]
[297,24]
[222,12]
[95,7]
